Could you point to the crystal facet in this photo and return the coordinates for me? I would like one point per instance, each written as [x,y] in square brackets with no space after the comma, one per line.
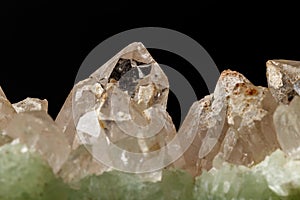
[234,123]
[6,111]
[286,120]
[31,104]
[241,142]
[122,105]
[283,79]
[2,93]
[80,164]
[38,131]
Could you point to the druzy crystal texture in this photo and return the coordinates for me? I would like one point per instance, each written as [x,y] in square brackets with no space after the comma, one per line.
[114,139]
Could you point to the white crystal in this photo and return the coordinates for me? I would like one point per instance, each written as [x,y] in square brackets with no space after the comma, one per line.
[283,79]
[286,120]
[31,104]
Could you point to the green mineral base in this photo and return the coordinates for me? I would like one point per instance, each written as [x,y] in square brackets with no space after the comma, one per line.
[24,175]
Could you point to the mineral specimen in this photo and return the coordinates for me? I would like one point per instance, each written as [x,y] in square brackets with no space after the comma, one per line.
[241,142]
[234,123]
[232,182]
[283,79]
[38,131]
[122,105]
[6,111]
[80,164]
[281,173]
[251,134]
[2,93]
[117,185]
[31,104]
[287,123]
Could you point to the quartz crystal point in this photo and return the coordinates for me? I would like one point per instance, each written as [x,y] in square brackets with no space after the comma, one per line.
[38,131]
[234,123]
[283,79]
[2,93]
[251,134]
[31,104]
[6,111]
[287,123]
[194,124]
[122,104]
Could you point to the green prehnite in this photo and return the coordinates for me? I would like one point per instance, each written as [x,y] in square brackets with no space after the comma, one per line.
[175,184]
[232,183]
[116,185]
[25,176]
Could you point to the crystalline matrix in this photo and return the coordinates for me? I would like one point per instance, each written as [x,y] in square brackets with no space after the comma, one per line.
[244,139]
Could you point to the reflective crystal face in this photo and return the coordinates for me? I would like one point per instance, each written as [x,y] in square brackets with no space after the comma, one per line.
[283,79]
[286,120]
[38,131]
[31,104]
[6,112]
[117,119]
[234,124]
[120,110]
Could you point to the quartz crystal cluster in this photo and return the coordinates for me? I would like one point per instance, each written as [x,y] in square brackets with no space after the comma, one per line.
[243,140]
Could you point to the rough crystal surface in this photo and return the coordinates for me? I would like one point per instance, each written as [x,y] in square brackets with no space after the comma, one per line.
[283,79]
[38,131]
[120,112]
[117,185]
[25,175]
[234,123]
[8,110]
[232,182]
[286,120]
[251,133]
[281,173]
[31,104]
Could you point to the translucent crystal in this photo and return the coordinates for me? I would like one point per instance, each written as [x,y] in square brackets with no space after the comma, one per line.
[251,133]
[120,110]
[194,124]
[6,111]
[283,79]
[2,94]
[282,174]
[31,104]
[80,164]
[286,120]
[38,131]
[232,182]
[234,123]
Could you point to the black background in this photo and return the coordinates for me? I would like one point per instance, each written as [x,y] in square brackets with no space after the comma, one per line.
[43,42]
